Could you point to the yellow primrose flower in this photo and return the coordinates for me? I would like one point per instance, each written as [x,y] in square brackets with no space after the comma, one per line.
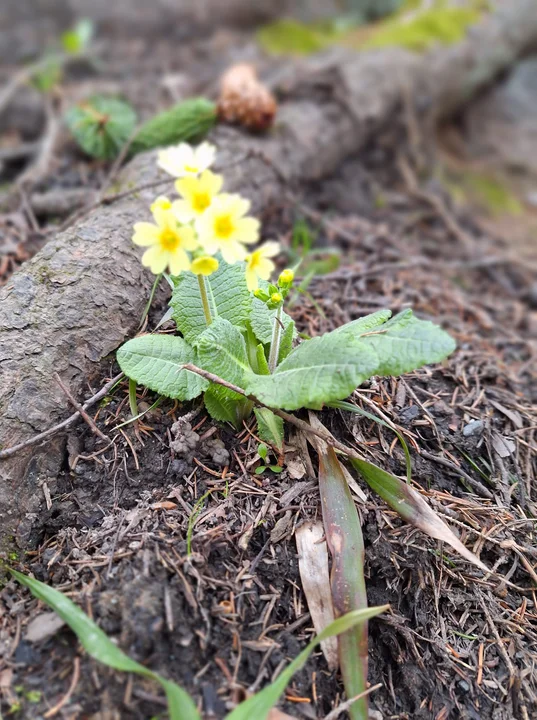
[197,194]
[223,227]
[205,265]
[161,202]
[183,159]
[167,242]
[259,266]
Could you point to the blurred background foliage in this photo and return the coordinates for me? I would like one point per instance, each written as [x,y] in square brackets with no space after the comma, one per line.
[364,24]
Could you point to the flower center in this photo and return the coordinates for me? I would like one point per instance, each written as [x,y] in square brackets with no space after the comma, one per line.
[192,169]
[223,226]
[169,240]
[201,201]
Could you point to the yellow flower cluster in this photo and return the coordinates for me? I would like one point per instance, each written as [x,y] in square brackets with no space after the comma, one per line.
[188,232]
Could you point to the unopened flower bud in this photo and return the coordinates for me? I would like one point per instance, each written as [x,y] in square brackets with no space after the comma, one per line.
[261,295]
[276,298]
[286,278]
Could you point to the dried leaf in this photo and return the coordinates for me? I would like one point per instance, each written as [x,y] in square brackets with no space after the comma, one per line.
[315,576]
[503,446]
[43,626]
[412,507]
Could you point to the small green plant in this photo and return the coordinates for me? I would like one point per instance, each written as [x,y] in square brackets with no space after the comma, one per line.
[180,705]
[47,72]
[263,452]
[102,125]
[237,346]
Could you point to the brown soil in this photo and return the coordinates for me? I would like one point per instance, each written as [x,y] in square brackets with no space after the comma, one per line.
[222,619]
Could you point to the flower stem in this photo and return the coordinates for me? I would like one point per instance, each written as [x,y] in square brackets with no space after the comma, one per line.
[275,342]
[204,299]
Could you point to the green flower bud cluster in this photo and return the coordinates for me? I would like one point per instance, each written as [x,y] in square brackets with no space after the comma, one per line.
[275,295]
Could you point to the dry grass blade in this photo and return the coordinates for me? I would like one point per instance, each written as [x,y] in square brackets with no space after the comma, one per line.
[315,577]
[344,538]
[412,507]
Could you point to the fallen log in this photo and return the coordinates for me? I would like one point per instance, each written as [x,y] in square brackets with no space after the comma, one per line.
[82,295]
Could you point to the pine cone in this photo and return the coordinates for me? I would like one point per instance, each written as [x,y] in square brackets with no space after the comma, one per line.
[245,100]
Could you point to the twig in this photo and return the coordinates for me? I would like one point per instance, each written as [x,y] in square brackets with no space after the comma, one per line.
[26,74]
[499,642]
[19,152]
[475,484]
[433,201]
[336,712]
[74,402]
[301,424]
[41,166]
[8,452]
[65,699]
[109,199]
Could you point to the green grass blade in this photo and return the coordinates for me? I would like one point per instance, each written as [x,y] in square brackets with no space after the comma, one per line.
[101,648]
[345,542]
[342,405]
[259,705]
[412,507]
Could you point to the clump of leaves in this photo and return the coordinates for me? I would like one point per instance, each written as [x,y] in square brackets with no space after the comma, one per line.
[47,72]
[420,30]
[487,190]
[101,125]
[416,26]
[292,37]
[263,452]
[180,705]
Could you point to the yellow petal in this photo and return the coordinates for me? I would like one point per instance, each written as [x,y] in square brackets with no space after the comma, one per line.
[233,252]
[211,183]
[178,261]
[248,230]
[189,241]
[145,234]
[183,211]
[161,202]
[265,268]
[187,186]
[155,259]
[251,280]
[270,249]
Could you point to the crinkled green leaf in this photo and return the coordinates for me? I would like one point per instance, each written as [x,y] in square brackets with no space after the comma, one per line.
[225,405]
[101,125]
[262,319]
[188,121]
[156,361]
[330,367]
[100,647]
[228,296]
[405,343]
[286,342]
[222,351]
[365,324]
[319,370]
[261,359]
[269,427]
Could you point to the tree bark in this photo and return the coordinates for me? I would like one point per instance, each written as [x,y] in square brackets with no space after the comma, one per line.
[82,295]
